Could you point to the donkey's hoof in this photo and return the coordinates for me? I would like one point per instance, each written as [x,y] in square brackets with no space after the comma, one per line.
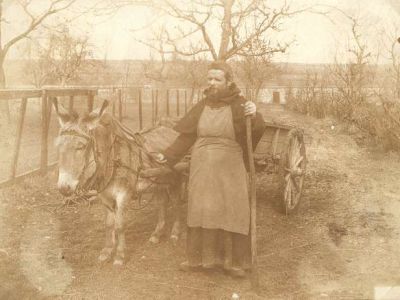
[118,262]
[174,239]
[105,255]
[154,240]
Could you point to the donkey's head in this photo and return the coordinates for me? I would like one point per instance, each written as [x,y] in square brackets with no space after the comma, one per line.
[75,143]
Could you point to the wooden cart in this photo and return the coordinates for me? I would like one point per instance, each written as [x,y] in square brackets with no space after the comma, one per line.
[282,151]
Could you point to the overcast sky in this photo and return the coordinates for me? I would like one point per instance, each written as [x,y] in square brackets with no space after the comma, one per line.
[317,39]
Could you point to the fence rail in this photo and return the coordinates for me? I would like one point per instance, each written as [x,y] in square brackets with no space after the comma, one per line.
[144,99]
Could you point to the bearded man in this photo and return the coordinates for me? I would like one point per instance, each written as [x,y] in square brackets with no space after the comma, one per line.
[218,216]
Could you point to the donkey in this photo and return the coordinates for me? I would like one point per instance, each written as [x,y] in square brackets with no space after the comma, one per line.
[96,152]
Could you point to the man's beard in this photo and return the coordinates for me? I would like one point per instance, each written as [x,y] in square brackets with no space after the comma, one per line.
[214,90]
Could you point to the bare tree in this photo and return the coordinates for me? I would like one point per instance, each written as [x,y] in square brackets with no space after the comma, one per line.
[35,20]
[194,74]
[190,71]
[246,28]
[396,64]
[156,70]
[255,70]
[60,58]
[391,41]
[351,78]
[37,67]
[240,22]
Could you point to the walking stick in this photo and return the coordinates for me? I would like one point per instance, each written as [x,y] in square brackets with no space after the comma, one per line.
[253,207]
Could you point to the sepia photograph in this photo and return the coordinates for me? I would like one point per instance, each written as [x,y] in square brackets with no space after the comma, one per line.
[200,149]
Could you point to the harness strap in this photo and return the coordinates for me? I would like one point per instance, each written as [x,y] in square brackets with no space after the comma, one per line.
[75,133]
[110,162]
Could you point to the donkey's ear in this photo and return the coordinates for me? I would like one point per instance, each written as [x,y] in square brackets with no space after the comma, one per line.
[100,111]
[62,113]
[92,120]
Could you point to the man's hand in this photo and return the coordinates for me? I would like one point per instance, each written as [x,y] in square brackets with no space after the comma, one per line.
[159,157]
[250,109]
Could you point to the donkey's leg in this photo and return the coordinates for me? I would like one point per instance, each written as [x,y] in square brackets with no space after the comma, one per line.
[161,198]
[120,209]
[106,252]
[176,193]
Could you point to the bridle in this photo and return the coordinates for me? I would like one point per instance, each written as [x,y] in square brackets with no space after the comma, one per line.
[90,146]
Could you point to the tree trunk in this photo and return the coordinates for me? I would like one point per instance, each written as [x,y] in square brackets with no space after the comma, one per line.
[5,107]
[191,96]
[2,73]
[226,30]
[63,81]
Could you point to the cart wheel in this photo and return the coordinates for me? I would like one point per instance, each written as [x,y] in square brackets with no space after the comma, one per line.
[293,169]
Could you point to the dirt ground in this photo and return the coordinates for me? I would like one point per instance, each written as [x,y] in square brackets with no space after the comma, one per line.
[343,243]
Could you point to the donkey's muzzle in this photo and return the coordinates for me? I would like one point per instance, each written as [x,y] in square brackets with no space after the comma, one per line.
[66,183]
[65,190]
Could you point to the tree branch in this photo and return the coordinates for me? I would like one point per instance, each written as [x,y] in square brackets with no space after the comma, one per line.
[52,9]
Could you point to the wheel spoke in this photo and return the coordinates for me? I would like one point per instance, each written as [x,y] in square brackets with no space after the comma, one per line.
[294,184]
[287,176]
[298,161]
[288,193]
[297,153]
[294,199]
[289,154]
[293,149]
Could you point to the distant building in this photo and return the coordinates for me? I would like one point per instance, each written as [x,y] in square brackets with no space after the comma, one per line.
[275,95]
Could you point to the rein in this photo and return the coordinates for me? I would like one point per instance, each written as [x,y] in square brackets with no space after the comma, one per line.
[99,184]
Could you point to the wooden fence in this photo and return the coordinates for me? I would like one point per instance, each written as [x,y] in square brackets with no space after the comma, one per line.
[159,102]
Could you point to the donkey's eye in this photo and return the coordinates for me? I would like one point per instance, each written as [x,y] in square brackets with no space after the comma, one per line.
[80,147]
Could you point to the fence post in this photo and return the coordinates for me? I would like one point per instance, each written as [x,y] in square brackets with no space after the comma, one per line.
[49,107]
[18,137]
[124,98]
[140,109]
[185,101]
[113,101]
[90,101]
[167,103]
[192,97]
[44,144]
[7,109]
[71,104]
[119,105]
[177,102]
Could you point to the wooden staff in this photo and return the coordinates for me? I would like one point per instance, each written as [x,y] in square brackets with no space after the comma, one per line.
[140,110]
[44,152]
[119,93]
[177,103]
[167,103]
[253,207]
